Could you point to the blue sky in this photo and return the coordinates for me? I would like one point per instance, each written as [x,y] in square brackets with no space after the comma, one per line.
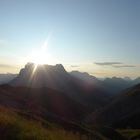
[82,32]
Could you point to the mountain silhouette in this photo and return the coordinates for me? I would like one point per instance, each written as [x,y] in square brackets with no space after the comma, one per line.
[57,78]
[41,76]
[6,78]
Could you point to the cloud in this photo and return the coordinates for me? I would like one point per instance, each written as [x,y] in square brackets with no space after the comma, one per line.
[115,64]
[6,66]
[75,66]
[107,63]
[124,66]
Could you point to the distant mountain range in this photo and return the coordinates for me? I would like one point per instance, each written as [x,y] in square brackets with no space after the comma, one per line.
[112,85]
[6,78]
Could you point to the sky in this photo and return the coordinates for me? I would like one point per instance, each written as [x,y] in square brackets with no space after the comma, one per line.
[101,37]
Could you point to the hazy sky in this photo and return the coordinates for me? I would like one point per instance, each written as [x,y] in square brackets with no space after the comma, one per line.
[101,37]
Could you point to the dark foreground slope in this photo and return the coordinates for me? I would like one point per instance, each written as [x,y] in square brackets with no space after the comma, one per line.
[43,102]
[16,127]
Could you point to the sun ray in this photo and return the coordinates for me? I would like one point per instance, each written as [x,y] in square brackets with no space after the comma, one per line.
[41,55]
[34,69]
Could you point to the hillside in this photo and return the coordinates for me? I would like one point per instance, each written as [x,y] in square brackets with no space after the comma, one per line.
[15,125]
[122,112]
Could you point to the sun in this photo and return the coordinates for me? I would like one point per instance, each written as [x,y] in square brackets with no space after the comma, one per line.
[40,57]
[37,58]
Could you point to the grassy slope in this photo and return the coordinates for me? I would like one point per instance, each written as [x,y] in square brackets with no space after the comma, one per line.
[15,127]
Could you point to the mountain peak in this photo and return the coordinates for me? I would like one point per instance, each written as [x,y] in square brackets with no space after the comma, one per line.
[30,67]
[38,75]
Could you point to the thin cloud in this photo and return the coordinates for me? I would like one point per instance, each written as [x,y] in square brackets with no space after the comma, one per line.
[115,64]
[107,63]
[124,66]
[75,66]
[6,66]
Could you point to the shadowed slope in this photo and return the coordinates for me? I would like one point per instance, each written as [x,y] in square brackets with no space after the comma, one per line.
[43,102]
[122,112]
